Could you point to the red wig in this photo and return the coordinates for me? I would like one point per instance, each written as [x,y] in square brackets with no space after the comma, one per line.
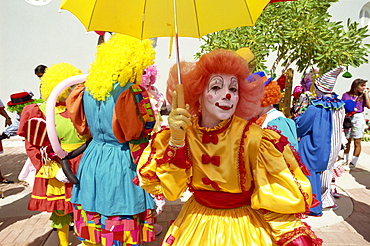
[195,78]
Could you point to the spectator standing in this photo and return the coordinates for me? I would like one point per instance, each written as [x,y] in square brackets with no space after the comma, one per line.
[8,122]
[39,72]
[358,93]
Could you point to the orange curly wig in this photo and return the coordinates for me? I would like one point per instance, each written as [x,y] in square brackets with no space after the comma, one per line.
[194,77]
[272,94]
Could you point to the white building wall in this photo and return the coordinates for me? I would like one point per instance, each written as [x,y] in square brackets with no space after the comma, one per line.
[32,35]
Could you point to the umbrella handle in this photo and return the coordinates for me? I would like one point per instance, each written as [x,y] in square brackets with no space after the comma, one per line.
[180,96]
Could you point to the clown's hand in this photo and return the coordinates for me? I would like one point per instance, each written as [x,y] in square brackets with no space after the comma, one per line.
[178,120]
[61,176]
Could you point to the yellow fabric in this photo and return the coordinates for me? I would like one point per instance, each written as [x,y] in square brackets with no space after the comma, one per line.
[148,19]
[70,147]
[84,243]
[63,234]
[277,188]
[51,199]
[48,171]
[197,225]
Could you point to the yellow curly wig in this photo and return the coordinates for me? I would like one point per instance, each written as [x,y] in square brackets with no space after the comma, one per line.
[54,75]
[272,94]
[122,59]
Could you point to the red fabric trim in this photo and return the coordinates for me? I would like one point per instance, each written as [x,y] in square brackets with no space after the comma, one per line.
[152,176]
[315,202]
[135,180]
[214,160]
[217,131]
[214,185]
[176,156]
[300,241]
[279,144]
[210,138]
[242,170]
[300,236]
[222,200]
[170,239]
[43,205]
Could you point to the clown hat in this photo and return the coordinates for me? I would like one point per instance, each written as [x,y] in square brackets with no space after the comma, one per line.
[261,74]
[325,83]
[20,98]
[246,53]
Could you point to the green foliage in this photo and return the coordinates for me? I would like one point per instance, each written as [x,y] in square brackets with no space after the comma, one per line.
[366,137]
[300,32]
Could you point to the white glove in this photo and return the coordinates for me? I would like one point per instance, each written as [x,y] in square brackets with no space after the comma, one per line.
[178,120]
[61,176]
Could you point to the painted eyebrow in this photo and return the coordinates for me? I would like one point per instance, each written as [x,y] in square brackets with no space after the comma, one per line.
[234,81]
[215,79]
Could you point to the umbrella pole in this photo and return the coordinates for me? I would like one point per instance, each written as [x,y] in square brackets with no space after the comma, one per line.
[179,86]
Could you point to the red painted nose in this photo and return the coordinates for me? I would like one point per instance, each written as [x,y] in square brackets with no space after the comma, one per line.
[228,96]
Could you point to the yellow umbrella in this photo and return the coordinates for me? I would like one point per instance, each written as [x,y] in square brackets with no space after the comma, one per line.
[157,18]
[165,18]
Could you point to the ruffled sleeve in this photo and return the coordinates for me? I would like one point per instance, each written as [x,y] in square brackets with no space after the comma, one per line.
[280,184]
[133,117]
[76,111]
[163,168]
[33,152]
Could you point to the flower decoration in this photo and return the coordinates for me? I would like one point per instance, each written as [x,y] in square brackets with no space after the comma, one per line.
[149,77]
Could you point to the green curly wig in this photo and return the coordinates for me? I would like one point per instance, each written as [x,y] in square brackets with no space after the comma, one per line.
[19,107]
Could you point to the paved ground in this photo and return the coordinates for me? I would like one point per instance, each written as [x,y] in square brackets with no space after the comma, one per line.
[349,225]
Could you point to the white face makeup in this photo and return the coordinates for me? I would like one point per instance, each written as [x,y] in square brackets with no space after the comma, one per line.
[219,99]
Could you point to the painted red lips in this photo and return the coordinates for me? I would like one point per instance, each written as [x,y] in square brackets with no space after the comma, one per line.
[224,107]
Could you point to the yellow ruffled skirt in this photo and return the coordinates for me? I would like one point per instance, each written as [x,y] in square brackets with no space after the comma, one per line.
[200,225]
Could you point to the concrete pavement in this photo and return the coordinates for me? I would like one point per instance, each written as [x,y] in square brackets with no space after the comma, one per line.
[348,225]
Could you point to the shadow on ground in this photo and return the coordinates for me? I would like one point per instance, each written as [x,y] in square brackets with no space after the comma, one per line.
[40,240]
[15,211]
[360,219]
[362,176]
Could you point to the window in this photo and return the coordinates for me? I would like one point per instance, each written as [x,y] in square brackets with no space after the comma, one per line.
[365,15]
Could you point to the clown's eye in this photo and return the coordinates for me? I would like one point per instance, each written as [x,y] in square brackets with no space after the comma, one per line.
[233,89]
[215,87]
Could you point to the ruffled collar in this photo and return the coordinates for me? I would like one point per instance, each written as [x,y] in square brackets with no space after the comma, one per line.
[216,129]
[331,103]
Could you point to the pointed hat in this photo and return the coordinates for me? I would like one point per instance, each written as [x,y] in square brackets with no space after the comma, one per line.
[325,83]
